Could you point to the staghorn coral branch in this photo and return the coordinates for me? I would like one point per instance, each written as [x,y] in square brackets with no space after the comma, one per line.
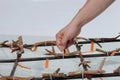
[4,44]
[74,73]
[19,44]
[108,52]
[102,64]
[54,74]
[57,70]
[45,43]
[117,70]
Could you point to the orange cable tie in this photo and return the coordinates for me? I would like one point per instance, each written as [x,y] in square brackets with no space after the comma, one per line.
[47,63]
[66,51]
[112,53]
[20,65]
[92,47]
[35,48]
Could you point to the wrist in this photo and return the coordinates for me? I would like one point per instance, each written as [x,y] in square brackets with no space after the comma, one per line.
[75,25]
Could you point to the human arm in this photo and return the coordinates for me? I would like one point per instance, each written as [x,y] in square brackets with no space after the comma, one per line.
[88,12]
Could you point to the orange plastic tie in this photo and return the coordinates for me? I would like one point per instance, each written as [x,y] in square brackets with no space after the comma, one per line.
[66,51]
[35,48]
[20,65]
[92,47]
[112,53]
[47,63]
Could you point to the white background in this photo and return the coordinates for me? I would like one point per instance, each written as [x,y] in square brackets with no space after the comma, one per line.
[47,17]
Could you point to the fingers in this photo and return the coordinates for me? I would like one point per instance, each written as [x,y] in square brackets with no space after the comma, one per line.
[69,43]
[63,41]
[66,41]
[59,38]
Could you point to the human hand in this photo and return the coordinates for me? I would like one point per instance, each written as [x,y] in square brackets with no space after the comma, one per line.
[65,37]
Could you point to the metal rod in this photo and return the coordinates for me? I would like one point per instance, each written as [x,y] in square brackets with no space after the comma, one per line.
[101,41]
[49,44]
[80,76]
[54,58]
[15,66]
[19,54]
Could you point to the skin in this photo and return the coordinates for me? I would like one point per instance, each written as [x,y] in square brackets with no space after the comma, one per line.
[91,9]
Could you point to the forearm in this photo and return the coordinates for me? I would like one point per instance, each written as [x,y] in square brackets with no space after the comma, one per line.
[89,11]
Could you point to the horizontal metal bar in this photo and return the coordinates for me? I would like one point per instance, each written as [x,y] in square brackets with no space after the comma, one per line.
[80,42]
[101,41]
[96,76]
[80,76]
[54,58]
